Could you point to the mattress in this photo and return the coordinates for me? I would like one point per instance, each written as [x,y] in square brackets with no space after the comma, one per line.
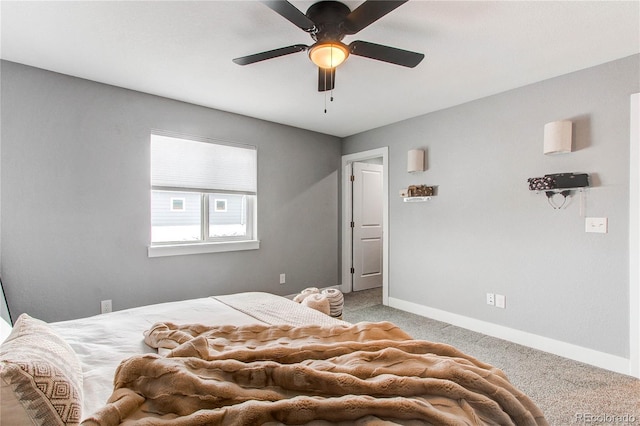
[103,341]
[247,358]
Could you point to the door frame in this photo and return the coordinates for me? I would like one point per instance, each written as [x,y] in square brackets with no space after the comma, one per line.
[634,237]
[347,160]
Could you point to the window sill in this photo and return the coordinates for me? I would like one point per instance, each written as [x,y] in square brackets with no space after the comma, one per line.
[199,248]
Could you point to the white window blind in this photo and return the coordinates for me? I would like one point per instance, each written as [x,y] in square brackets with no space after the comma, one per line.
[191,165]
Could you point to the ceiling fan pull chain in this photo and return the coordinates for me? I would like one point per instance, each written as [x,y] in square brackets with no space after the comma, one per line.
[333,83]
[330,80]
[325,93]
[332,71]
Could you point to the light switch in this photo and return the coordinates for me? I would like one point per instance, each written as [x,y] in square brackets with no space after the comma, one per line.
[596,224]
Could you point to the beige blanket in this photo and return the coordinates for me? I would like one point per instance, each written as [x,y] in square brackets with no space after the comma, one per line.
[367,373]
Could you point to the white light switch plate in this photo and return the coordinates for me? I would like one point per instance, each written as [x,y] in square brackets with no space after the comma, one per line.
[596,224]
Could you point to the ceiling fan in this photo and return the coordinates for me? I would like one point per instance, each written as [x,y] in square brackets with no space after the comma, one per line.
[328,22]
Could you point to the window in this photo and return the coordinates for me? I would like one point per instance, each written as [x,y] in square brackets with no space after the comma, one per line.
[203,196]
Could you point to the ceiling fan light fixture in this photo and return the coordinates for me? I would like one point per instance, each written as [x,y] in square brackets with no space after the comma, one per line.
[328,54]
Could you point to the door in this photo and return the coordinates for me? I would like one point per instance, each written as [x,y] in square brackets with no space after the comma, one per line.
[366,226]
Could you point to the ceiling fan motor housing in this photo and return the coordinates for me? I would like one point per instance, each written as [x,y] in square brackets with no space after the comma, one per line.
[328,17]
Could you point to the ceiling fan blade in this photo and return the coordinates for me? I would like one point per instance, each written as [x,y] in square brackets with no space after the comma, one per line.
[367,13]
[270,54]
[292,14]
[385,53]
[326,79]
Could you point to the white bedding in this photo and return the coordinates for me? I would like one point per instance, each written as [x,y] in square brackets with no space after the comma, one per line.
[101,342]
[63,373]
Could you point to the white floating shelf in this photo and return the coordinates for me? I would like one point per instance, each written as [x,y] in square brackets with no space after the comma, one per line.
[559,190]
[416,199]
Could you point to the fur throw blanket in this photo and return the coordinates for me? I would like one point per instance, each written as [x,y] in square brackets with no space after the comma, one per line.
[367,373]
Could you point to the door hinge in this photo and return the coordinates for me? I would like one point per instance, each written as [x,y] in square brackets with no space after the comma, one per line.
[353,224]
[353,270]
[352,178]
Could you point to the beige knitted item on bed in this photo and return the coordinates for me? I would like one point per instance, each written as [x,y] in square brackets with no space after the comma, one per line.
[319,302]
[336,301]
[306,292]
[270,309]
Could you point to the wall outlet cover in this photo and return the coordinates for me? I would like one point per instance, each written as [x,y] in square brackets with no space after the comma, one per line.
[105,306]
[491,299]
[501,301]
[596,224]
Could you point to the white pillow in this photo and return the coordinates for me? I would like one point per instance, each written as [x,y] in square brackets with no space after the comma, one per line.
[40,377]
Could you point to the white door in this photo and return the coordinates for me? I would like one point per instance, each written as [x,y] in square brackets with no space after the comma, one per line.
[367,226]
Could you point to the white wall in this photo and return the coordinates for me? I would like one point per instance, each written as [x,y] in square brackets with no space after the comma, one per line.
[486,232]
[76,200]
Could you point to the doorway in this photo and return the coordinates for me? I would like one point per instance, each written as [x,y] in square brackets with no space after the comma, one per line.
[379,156]
[366,225]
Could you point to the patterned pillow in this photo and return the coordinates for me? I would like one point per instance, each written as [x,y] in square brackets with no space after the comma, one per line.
[40,377]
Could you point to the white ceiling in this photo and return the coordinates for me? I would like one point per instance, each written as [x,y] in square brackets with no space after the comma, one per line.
[183,50]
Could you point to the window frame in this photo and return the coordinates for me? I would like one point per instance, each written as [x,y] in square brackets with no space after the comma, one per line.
[207,244]
[249,215]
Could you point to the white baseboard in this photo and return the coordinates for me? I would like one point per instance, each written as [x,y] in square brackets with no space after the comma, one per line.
[556,347]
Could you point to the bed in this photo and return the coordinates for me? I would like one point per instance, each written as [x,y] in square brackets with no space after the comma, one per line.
[247,358]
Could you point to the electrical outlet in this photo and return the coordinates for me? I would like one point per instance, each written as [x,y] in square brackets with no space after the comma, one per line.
[501,301]
[105,306]
[283,278]
[491,300]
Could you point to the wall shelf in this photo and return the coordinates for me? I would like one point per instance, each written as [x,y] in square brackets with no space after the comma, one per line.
[560,184]
[416,199]
[559,190]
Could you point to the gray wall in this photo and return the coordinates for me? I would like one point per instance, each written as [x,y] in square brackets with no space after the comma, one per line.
[76,195]
[486,232]
[75,204]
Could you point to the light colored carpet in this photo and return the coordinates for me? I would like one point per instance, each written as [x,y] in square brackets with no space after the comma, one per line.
[568,392]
